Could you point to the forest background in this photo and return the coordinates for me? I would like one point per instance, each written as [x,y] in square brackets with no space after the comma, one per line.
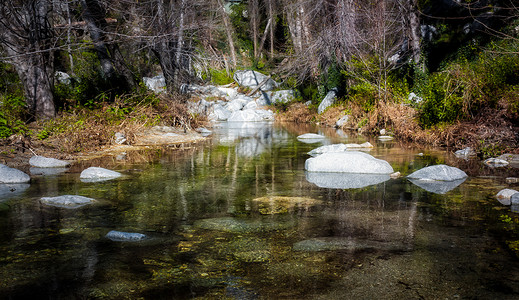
[444,72]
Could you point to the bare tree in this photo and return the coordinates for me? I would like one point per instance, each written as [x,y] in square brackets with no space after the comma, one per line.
[26,36]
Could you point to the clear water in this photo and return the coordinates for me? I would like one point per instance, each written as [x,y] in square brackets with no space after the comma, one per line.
[209,237]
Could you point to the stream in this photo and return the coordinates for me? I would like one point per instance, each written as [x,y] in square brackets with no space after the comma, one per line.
[237,217]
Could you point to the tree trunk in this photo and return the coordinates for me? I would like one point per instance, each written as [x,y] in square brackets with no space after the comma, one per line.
[228,31]
[25,35]
[413,24]
[110,58]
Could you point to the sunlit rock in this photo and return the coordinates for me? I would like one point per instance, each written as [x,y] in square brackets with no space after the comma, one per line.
[348,162]
[121,236]
[328,100]
[204,131]
[119,138]
[511,180]
[437,186]
[235,105]
[67,201]
[337,148]
[11,175]
[219,113]
[496,162]
[94,174]
[465,153]
[283,96]
[47,162]
[395,175]
[438,173]
[385,138]
[248,115]
[9,190]
[271,205]
[157,84]
[504,196]
[252,79]
[345,180]
[310,138]
[342,121]
[438,179]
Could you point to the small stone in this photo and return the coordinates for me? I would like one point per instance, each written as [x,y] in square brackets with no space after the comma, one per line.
[120,138]
[512,180]
[496,163]
[395,175]
[67,201]
[382,132]
[94,174]
[120,236]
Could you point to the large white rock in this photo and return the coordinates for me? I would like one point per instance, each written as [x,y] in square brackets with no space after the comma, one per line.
[345,180]
[220,113]
[283,96]
[348,162]
[327,101]
[337,148]
[67,201]
[235,105]
[438,173]
[156,84]
[94,174]
[11,175]
[252,79]
[47,162]
[248,115]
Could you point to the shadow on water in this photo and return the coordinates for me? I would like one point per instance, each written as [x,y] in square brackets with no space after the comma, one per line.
[238,218]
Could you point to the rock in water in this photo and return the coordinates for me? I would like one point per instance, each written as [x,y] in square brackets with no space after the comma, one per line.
[504,196]
[438,179]
[94,174]
[438,173]
[121,236]
[348,162]
[46,162]
[310,138]
[67,201]
[11,175]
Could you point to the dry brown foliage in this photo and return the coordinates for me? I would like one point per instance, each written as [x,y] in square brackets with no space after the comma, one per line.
[296,112]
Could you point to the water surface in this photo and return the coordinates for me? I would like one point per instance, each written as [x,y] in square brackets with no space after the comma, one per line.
[238,218]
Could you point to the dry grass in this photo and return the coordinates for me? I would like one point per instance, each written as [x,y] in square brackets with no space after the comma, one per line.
[298,113]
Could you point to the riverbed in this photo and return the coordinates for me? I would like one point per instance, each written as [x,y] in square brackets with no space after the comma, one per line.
[237,217]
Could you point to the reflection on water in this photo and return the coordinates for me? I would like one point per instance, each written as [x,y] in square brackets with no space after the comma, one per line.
[238,218]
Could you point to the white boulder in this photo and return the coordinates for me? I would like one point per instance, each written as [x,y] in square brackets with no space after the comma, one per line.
[94,174]
[47,162]
[438,173]
[11,175]
[327,101]
[248,115]
[348,162]
[252,79]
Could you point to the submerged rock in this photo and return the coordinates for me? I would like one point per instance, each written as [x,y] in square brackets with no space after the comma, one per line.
[345,180]
[47,171]
[438,173]
[337,148]
[121,236]
[504,196]
[279,205]
[348,244]
[94,174]
[67,201]
[241,226]
[348,162]
[11,175]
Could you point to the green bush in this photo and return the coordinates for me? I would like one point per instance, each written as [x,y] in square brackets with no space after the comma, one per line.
[220,77]
[443,100]
[12,112]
